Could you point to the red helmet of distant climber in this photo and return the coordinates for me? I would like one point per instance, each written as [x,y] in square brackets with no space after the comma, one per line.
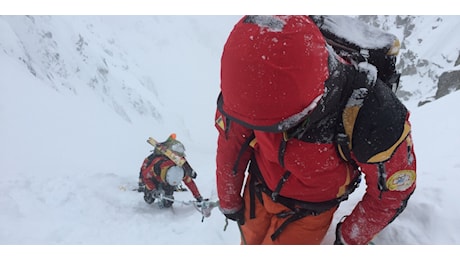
[273,70]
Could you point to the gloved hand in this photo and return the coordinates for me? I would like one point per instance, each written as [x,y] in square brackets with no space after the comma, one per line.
[193,174]
[339,237]
[199,198]
[148,196]
[237,216]
[200,202]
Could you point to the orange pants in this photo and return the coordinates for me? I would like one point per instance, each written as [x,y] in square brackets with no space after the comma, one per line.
[309,230]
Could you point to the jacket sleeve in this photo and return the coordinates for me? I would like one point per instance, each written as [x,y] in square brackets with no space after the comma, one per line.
[233,154]
[189,171]
[389,186]
[192,186]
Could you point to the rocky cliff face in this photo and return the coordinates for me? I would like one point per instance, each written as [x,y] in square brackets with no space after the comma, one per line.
[127,61]
[430,54]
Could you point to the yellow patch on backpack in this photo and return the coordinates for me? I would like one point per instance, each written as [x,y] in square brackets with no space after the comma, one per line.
[401,180]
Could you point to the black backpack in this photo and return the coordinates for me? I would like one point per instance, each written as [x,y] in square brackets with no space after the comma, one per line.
[358,114]
[363,117]
[379,121]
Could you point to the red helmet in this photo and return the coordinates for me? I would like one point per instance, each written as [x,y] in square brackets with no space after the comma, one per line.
[273,70]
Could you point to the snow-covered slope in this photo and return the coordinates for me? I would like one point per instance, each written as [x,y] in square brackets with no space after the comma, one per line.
[71,147]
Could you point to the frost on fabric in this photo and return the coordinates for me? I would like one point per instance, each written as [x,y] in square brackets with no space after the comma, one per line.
[333,58]
[357,97]
[292,120]
[370,70]
[269,22]
[357,32]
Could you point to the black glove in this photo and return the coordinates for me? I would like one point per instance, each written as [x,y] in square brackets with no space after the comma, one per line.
[148,198]
[237,216]
[199,199]
[193,174]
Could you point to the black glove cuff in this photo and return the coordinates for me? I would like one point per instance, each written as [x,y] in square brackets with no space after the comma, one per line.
[193,174]
[237,216]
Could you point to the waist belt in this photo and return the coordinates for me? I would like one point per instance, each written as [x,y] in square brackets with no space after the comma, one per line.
[299,209]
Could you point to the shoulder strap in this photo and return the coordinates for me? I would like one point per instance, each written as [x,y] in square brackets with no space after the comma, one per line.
[244,147]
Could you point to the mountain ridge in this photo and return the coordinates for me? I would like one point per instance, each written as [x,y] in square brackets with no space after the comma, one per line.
[94,51]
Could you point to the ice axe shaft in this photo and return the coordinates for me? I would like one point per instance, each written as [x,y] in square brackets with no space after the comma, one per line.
[204,207]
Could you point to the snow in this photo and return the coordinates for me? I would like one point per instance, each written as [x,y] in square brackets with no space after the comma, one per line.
[70,154]
[352,30]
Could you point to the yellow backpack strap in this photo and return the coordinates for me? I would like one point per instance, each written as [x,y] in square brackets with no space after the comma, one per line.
[345,135]
[347,124]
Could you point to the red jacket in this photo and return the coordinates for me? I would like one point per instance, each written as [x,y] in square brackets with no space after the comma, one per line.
[278,72]
[154,171]
[318,174]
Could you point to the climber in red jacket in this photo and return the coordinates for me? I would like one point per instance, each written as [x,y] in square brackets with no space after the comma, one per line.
[159,176]
[291,147]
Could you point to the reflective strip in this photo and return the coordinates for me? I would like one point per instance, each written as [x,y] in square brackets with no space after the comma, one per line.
[220,122]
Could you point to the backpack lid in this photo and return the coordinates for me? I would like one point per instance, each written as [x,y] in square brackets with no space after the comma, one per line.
[273,70]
